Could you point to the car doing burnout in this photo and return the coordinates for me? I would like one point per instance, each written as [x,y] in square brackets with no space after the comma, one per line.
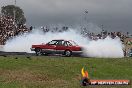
[63,47]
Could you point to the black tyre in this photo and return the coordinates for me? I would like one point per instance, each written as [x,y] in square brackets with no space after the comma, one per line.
[38,51]
[67,53]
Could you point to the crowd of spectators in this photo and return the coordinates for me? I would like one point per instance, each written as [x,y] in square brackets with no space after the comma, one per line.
[103,34]
[54,29]
[90,35]
[8,28]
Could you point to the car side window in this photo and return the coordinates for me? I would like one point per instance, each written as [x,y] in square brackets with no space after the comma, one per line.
[66,43]
[69,44]
[59,43]
[63,42]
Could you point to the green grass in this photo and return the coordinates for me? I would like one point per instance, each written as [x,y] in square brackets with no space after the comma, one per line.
[60,72]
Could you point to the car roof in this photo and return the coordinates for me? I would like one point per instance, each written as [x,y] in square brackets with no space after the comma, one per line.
[61,40]
[58,40]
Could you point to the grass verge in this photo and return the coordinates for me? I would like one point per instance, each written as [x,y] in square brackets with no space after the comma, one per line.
[60,72]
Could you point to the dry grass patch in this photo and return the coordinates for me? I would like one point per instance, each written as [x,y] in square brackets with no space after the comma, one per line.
[26,77]
[22,76]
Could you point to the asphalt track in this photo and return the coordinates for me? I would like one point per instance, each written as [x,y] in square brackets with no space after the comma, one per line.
[15,53]
[2,53]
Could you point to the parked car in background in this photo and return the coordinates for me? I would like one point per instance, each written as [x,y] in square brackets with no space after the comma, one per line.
[63,47]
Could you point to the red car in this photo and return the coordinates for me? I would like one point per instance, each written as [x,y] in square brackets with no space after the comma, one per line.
[63,47]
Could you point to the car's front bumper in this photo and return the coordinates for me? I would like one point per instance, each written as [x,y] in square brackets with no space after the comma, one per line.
[32,49]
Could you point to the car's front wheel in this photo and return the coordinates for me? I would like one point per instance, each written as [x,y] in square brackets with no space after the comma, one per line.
[38,51]
[67,53]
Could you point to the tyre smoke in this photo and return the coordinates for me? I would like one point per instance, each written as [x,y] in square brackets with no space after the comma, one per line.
[110,48]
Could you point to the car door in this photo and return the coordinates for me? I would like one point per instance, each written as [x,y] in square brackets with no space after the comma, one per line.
[60,47]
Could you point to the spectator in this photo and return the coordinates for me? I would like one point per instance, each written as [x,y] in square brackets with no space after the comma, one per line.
[8,29]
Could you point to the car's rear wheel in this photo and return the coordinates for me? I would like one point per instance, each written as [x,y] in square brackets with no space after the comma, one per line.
[38,51]
[68,53]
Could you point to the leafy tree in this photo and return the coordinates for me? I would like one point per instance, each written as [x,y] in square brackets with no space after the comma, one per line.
[12,10]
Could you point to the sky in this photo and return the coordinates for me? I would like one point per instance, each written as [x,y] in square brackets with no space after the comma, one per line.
[114,15]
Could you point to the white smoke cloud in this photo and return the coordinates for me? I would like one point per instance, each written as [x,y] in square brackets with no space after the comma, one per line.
[111,48]
[1,47]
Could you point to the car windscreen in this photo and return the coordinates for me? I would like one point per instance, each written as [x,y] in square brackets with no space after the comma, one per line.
[52,42]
